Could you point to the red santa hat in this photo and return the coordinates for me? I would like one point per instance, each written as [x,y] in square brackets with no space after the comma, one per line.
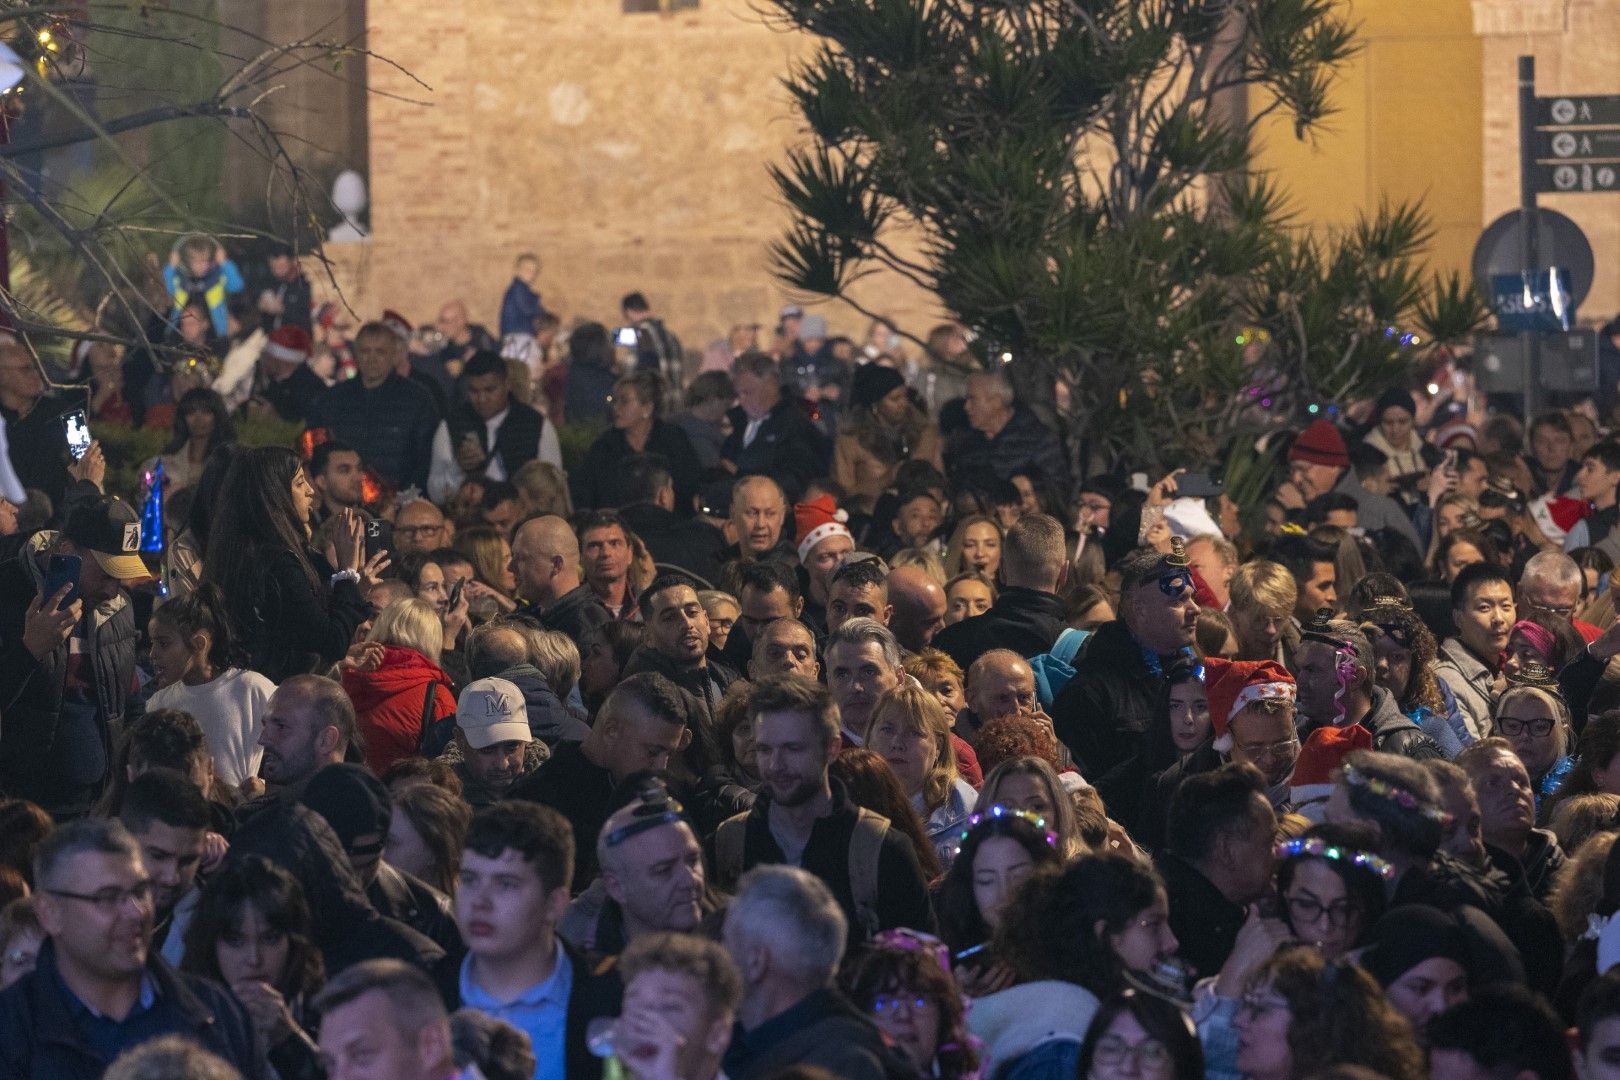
[1203,593]
[816,520]
[1233,685]
[398,323]
[1324,751]
[290,343]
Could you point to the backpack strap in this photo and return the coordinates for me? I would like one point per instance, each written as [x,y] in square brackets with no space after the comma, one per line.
[865,853]
[1067,646]
[428,706]
[728,849]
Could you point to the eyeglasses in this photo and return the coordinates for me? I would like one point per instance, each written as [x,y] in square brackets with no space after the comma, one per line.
[108,901]
[1149,1053]
[891,1003]
[1513,727]
[1566,610]
[1306,910]
[1282,749]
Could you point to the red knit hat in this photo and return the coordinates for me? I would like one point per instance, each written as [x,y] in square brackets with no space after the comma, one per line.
[1324,751]
[1321,444]
[290,343]
[816,520]
[1232,685]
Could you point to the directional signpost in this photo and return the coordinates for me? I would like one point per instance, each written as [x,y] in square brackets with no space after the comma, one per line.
[1568,145]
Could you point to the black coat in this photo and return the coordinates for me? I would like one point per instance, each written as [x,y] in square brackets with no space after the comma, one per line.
[581,791]
[1204,921]
[1024,444]
[787,448]
[598,481]
[1027,621]
[688,543]
[37,444]
[40,1035]
[575,613]
[1101,715]
[391,426]
[822,1030]
[291,629]
[408,899]
[47,756]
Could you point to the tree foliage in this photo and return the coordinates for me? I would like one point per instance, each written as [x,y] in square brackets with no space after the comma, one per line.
[1074,179]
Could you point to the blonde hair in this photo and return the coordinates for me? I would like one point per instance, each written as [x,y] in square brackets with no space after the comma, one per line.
[557,657]
[1555,702]
[920,711]
[931,665]
[713,598]
[953,550]
[481,544]
[412,624]
[544,488]
[1264,584]
[922,559]
[1067,825]
[1578,887]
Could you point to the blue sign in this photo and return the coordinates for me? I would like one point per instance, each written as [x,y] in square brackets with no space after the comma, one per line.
[1535,302]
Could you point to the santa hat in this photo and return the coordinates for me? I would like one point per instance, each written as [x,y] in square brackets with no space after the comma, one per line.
[816,520]
[398,323]
[1556,515]
[1233,685]
[1324,751]
[1321,444]
[1202,592]
[289,343]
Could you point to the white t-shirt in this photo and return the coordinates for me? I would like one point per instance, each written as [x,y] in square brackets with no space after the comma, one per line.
[231,710]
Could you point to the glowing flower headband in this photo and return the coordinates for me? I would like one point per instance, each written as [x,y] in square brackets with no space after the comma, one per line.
[1397,795]
[999,812]
[1317,848]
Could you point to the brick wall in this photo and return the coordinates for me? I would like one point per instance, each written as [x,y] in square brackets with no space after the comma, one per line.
[628,150]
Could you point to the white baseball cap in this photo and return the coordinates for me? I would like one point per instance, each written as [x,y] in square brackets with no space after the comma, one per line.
[491,711]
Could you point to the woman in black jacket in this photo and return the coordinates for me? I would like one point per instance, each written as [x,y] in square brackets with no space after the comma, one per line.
[296,611]
[598,484]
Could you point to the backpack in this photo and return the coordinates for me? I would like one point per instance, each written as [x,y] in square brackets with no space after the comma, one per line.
[436,733]
[865,853]
[1054,669]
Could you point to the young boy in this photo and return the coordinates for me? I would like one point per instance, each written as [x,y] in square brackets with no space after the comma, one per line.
[199,267]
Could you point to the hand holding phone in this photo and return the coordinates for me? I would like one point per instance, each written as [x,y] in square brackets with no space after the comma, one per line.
[76,426]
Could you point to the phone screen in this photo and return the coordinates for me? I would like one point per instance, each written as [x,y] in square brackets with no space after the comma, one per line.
[77,427]
[627,337]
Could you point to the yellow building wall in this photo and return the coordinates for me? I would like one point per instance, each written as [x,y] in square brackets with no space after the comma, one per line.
[1410,110]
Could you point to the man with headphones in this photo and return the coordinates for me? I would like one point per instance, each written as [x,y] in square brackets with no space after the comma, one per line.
[1337,688]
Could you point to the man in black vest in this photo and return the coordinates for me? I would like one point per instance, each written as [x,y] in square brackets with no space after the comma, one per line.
[489,436]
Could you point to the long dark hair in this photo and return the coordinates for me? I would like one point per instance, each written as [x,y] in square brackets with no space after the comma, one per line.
[203,611]
[205,494]
[1158,744]
[1161,1020]
[871,783]
[1049,929]
[255,880]
[1362,885]
[961,925]
[201,399]
[256,519]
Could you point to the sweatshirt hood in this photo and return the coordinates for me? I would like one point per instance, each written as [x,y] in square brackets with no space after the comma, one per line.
[1020,1018]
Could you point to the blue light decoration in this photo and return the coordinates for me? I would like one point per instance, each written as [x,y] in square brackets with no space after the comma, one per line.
[152,512]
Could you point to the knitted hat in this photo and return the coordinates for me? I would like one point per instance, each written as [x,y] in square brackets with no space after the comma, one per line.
[1324,750]
[812,327]
[1454,429]
[398,323]
[1232,685]
[814,521]
[1321,444]
[352,801]
[873,383]
[1406,936]
[290,343]
[1393,398]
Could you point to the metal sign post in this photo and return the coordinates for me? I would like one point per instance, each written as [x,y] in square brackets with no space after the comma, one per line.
[1530,343]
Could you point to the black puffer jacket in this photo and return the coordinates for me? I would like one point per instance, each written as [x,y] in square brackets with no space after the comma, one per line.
[1393,731]
[59,762]
[1101,715]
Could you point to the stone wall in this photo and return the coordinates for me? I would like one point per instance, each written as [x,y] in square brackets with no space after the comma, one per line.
[628,150]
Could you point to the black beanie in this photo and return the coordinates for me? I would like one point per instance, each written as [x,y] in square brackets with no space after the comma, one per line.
[873,383]
[351,800]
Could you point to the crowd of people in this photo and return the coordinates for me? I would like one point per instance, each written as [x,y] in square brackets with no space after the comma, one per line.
[829,715]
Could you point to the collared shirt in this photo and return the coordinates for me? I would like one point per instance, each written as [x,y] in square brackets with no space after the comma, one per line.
[109,1037]
[541,1012]
[752,429]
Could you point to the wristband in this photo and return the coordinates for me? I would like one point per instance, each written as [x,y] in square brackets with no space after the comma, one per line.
[345,575]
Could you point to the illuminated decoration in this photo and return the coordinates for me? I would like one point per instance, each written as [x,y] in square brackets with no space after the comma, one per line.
[152,511]
[1397,795]
[1317,848]
[998,813]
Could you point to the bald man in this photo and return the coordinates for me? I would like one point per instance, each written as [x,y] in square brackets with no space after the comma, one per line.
[760,525]
[1000,683]
[421,526]
[499,651]
[919,607]
[545,562]
[462,338]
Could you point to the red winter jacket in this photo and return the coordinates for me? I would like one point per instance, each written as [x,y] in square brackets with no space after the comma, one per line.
[388,703]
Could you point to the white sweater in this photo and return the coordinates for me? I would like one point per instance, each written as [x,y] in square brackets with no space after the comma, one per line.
[231,710]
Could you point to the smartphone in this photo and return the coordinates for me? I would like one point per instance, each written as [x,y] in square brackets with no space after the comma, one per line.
[62,570]
[77,427]
[1199,486]
[626,337]
[379,535]
[455,592]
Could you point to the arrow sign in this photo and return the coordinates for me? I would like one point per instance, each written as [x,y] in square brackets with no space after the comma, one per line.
[1576,177]
[1577,145]
[1578,111]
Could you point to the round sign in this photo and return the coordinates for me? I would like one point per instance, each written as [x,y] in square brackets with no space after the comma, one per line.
[1559,242]
[1605,176]
[1565,177]
[1563,111]
[1563,144]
